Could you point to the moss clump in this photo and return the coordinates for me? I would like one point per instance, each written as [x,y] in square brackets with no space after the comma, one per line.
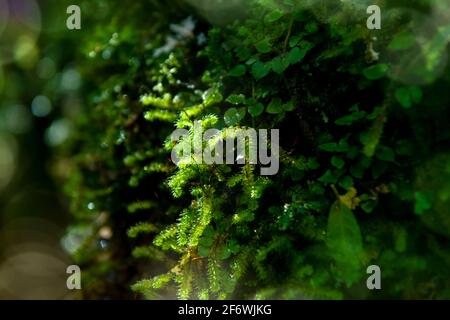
[354,131]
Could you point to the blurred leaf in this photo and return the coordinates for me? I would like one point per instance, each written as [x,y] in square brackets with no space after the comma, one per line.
[344,242]
[224,253]
[385,153]
[330,177]
[406,96]
[274,16]
[376,71]
[260,70]
[330,147]
[368,206]
[422,203]
[294,40]
[290,106]
[346,182]
[338,162]
[263,46]
[212,96]
[351,118]
[274,106]
[237,71]
[236,99]
[203,251]
[280,64]
[402,41]
[296,55]
[256,109]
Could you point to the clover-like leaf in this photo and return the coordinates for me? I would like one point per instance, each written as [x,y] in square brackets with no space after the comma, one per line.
[212,96]
[406,96]
[236,99]
[256,109]
[274,106]
[280,64]
[260,70]
[263,46]
[234,115]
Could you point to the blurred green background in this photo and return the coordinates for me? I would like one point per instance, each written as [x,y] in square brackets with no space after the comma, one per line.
[39,87]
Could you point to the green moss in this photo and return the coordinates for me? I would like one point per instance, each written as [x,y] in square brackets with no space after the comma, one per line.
[224,231]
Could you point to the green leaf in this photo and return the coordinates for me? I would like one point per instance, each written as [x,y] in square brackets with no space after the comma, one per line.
[256,109]
[290,106]
[236,99]
[377,111]
[354,108]
[338,162]
[244,31]
[237,71]
[312,27]
[203,251]
[342,146]
[280,64]
[274,16]
[406,96]
[208,232]
[206,241]
[296,55]
[368,206]
[223,253]
[243,53]
[346,182]
[402,96]
[416,93]
[402,41]
[330,146]
[263,46]
[344,242]
[422,203]
[260,70]
[330,177]
[351,118]
[274,106]
[306,45]
[233,116]
[294,40]
[371,138]
[376,71]
[233,246]
[212,96]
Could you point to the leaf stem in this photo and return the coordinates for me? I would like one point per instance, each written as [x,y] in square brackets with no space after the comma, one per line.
[288,36]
